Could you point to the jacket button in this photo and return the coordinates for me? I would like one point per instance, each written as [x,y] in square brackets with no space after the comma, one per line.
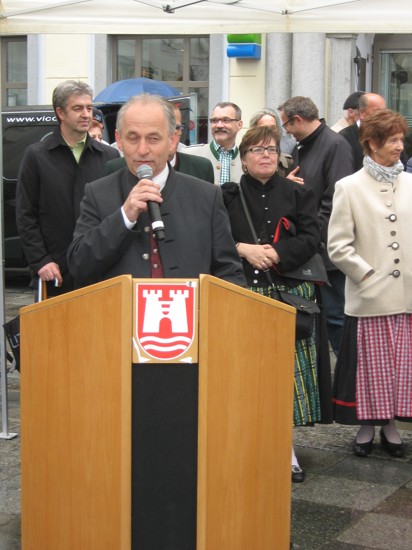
[146,257]
[394,246]
[396,273]
[392,218]
[396,260]
[147,229]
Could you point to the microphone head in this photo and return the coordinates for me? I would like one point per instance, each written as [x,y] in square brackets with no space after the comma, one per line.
[144,171]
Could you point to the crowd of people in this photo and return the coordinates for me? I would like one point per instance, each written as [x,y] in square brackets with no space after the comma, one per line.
[342,192]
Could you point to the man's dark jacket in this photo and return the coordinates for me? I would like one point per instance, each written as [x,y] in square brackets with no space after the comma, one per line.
[324,158]
[191,165]
[49,190]
[351,134]
[197,240]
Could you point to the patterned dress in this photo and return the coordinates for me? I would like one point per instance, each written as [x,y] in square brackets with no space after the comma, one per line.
[267,204]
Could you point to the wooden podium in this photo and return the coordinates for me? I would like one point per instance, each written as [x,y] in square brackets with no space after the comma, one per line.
[153,455]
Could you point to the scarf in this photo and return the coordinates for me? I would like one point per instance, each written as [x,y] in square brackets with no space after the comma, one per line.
[386,174]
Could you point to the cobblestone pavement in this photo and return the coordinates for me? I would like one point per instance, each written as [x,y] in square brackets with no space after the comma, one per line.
[345,503]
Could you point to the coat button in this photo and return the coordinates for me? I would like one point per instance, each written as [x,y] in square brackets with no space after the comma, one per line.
[394,246]
[146,257]
[147,229]
[392,218]
[255,281]
[393,233]
[396,260]
[396,273]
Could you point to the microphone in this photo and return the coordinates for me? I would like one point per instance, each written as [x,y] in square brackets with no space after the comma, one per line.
[145,172]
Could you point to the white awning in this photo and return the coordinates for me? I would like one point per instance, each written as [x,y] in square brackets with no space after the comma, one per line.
[204,16]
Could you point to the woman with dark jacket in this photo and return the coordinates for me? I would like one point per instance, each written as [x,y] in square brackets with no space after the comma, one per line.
[269,198]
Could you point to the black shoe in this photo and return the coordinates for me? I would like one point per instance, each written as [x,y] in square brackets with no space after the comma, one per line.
[298,475]
[363,449]
[394,449]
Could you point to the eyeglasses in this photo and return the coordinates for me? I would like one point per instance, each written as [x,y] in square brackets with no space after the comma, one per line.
[223,120]
[288,121]
[260,150]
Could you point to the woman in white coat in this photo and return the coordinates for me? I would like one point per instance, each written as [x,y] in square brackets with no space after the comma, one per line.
[369,240]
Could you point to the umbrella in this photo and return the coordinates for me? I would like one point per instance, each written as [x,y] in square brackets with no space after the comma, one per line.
[123,90]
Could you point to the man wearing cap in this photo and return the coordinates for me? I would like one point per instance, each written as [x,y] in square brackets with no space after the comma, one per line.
[97,125]
[367,104]
[351,108]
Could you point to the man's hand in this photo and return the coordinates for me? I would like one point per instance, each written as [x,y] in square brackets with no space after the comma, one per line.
[292,176]
[50,272]
[136,202]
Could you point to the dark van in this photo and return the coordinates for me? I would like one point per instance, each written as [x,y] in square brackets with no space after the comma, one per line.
[21,127]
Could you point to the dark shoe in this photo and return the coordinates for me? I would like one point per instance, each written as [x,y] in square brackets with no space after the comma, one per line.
[363,449]
[394,449]
[298,475]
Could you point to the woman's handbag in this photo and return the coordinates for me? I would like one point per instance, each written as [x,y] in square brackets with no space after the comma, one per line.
[313,270]
[305,309]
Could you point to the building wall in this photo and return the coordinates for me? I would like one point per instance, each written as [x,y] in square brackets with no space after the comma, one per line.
[310,64]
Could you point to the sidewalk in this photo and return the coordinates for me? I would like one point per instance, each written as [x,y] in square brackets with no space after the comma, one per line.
[345,503]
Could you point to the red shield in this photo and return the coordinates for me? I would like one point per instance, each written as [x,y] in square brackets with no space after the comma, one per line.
[165,317]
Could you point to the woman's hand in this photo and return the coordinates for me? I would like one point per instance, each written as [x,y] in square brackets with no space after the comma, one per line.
[260,256]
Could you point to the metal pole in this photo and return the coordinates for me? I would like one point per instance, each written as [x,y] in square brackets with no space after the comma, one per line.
[4,434]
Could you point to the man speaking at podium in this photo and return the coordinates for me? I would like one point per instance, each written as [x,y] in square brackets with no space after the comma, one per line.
[148,220]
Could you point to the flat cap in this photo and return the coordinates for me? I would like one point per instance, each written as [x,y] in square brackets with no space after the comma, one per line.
[98,115]
[352,101]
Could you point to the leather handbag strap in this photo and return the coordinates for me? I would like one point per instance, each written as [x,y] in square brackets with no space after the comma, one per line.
[254,235]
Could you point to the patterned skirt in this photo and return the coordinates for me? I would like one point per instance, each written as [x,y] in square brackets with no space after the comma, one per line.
[373,376]
[306,405]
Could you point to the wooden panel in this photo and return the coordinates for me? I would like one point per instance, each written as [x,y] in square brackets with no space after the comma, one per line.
[245,419]
[75,419]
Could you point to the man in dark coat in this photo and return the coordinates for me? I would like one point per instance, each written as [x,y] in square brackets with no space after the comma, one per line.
[51,182]
[324,157]
[113,234]
[367,104]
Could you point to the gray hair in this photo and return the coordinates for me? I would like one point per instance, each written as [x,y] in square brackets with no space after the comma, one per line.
[149,99]
[224,104]
[65,89]
[301,106]
[263,112]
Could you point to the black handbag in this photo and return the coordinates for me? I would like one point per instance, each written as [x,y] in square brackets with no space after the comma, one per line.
[305,309]
[313,270]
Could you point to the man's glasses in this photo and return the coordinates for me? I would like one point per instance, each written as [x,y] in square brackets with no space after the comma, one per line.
[288,121]
[260,150]
[223,120]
